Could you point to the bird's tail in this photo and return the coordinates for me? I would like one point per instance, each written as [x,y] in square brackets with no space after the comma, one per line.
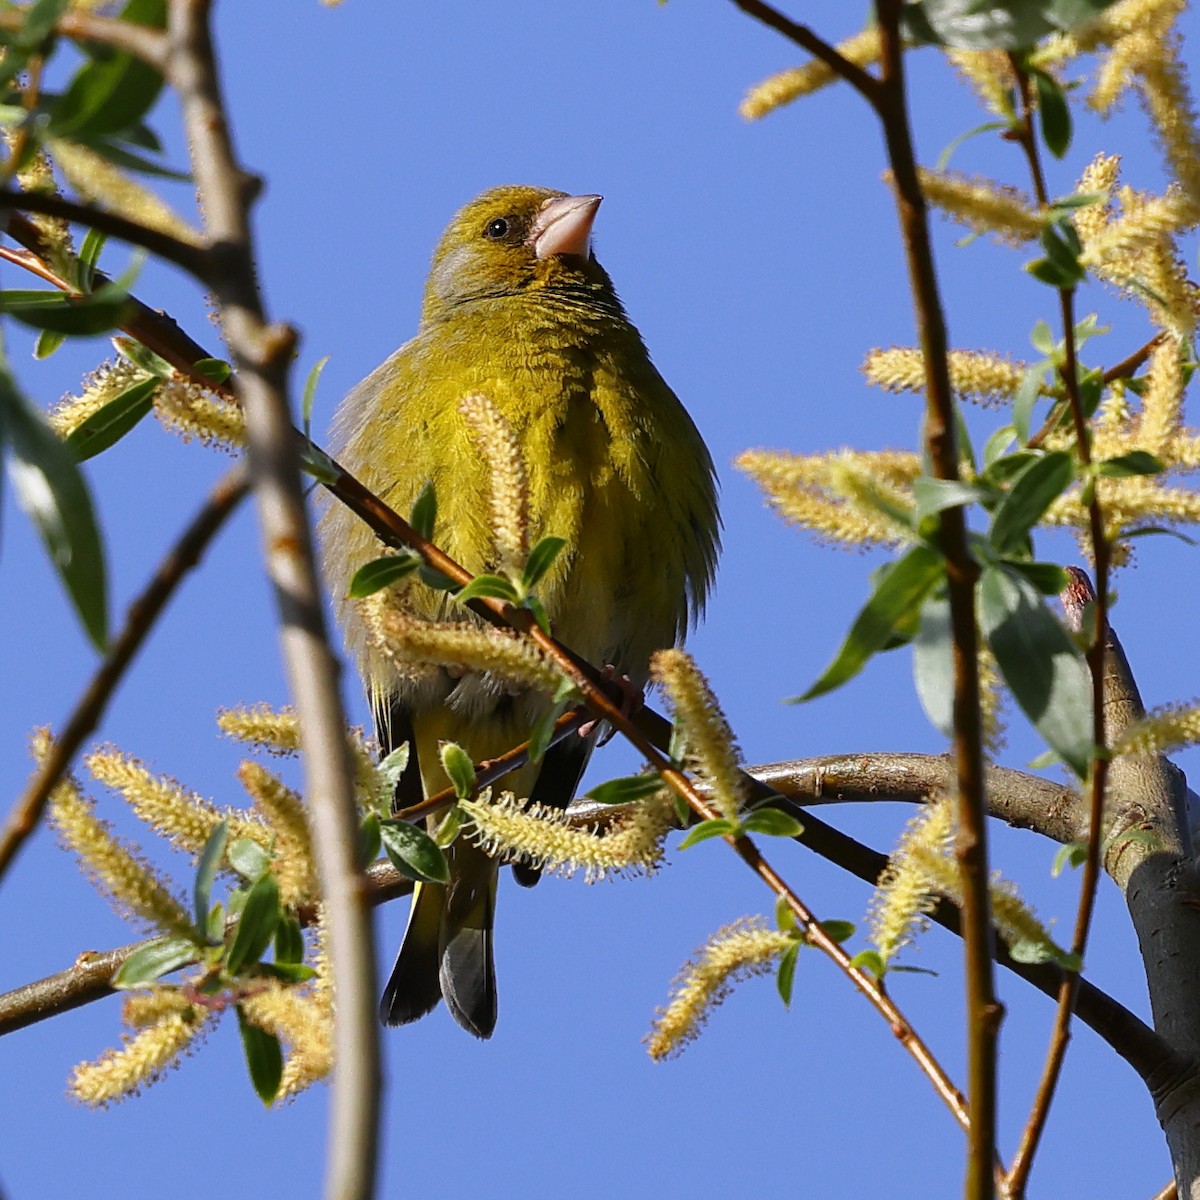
[447,947]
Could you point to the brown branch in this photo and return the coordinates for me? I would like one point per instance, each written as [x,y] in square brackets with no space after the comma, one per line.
[150,45]
[262,355]
[139,621]
[192,258]
[862,81]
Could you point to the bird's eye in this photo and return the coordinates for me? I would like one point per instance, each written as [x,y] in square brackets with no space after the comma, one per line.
[496,229]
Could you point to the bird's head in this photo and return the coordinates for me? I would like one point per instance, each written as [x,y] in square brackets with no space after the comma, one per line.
[514,240]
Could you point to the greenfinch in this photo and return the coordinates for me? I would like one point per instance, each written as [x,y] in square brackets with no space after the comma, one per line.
[516,307]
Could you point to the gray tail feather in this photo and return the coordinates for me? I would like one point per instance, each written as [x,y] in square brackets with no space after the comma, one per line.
[468,980]
[413,988]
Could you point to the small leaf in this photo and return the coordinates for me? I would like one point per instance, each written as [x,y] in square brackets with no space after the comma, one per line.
[627,789]
[256,926]
[432,577]
[772,822]
[248,859]
[151,962]
[215,931]
[543,731]
[1031,494]
[1040,663]
[936,495]
[215,370]
[413,852]
[1054,115]
[1073,854]
[369,841]
[38,25]
[839,931]
[897,597]
[933,665]
[1026,396]
[716,827]
[424,512]
[1136,462]
[492,587]
[540,615]
[1030,950]
[381,573]
[785,919]
[1155,530]
[86,261]
[47,344]
[457,764]
[540,559]
[206,872]
[309,397]
[390,769]
[786,975]
[448,829]
[82,316]
[870,961]
[54,495]
[264,1058]
[1049,578]
[988,127]
[1046,271]
[108,425]
[289,942]
[289,972]
[143,357]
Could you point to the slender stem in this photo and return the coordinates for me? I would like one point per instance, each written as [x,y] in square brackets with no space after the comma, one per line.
[150,45]
[1035,1125]
[139,621]
[984,1012]
[262,356]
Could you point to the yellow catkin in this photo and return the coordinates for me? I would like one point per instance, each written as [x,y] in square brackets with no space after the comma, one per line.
[182,816]
[303,1024]
[1162,731]
[114,867]
[509,485]
[141,1060]
[283,812]
[145,1008]
[312,1058]
[863,49]
[803,490]
[97,179]
[977,375]
[1100,175]
[193,411]
[990,73]
[991,703]
[983,205]
[712,750]
[1164,86]
[37,175]
[1162,401]
[104,385]
[544,837]
[409,642]
[738,951]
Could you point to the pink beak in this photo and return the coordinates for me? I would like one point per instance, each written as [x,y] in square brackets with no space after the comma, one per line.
[564,226]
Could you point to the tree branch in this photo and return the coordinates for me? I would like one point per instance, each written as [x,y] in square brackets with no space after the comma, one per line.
[150,45]
[139,621]
[262,356]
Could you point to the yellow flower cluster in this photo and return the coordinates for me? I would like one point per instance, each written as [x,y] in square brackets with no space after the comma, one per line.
[862,49]
[509,484]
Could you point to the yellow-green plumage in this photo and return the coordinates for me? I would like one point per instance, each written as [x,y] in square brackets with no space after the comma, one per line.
[517,308]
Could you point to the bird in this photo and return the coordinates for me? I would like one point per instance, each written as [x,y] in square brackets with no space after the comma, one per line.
[516,307]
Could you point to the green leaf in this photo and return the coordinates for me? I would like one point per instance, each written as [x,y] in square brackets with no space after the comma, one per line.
[53,493]
[47,344]
[1046,271]
[1025,398]
[933,665]
[540,615]
[543,731]
[1032,492]
[369,840]
[120,155]
[772,822]
[988,127]
[1153,530]
[870,961]
[152,961]
[539,561]
[88,258]
[215,931]
[716,827]
[215,370]
[289,941]
[309,397]
[413,852]
[994,24]
[839,931]
[432,577]
[785,919]
[448,829]
[424,512]
[786,975]
[1033,951]
[382,572]
[143,357]
[113,89]
[256,925]
[1136,462]
[248,859]
[457,764]
[997,446]
[1048,578]
[1040,663]
[390,769]
[936,495]
[206,872]
[288,972]
[264,1058]
[627,789]
[81,316]
[1073,854]
[108,425]
[1053,113]
[898,595]
[494,587]
[40,19]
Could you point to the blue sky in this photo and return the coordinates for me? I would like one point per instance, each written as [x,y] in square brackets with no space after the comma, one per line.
[761,263]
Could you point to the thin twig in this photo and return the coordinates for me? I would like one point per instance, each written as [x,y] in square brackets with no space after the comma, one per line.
[262,357]
[150,45]
[1022,1162]
[139,621]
